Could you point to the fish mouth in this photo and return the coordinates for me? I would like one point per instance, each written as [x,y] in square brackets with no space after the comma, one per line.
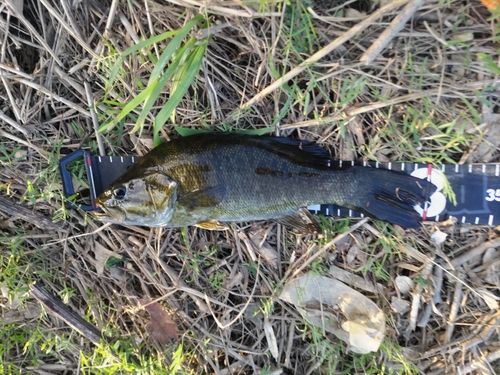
[110,214]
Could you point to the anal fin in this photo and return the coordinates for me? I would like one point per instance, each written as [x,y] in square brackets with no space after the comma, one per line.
[302,220]
[212,225]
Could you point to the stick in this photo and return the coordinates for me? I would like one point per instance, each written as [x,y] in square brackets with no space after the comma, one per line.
[353,31]
[95,121]
[397,24]
[455,305]
[59,309]
[472,253]
[24,213]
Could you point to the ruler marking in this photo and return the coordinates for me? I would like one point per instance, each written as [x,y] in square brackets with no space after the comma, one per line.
[350,213]
[352,163]
[463,219]
[437,217]
[121,158]
[456,168]
[362,215]
[338,211]
[443,167]
[377,164]
[340,163]
[133,159]
[99,158]
[490,220]
[483,168]
[402,166]
[364,163]
[327,211]
[389,166]
[476,221]
[110,159]
[470,168]
[497,170]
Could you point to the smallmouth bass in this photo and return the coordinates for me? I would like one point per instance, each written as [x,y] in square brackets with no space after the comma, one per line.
[210,179]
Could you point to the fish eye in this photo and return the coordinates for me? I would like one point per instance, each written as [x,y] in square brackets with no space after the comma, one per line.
[120,192]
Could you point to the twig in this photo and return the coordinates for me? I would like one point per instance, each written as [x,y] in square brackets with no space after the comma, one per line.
[24,213]
[13,123]
[477,364]
[242,311]
[290,275]
[472,253]
[15,71]
[58,308]
[387,103]
[473,339]
[397,24]
[95,121]
[436,297]
[455,305]
[69,29]
[416,296]
[52,95]
[23,142]
[33,32]
[325,51]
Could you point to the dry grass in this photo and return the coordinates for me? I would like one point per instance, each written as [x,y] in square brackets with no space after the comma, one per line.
[431,95]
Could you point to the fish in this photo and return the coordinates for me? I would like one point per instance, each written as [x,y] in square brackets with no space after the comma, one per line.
[209,180]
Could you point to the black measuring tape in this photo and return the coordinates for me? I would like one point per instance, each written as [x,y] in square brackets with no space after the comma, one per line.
[476,186]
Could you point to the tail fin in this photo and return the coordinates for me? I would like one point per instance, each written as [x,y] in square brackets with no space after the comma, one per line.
[391,196]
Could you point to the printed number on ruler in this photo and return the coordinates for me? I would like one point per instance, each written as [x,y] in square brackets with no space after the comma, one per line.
[493,195]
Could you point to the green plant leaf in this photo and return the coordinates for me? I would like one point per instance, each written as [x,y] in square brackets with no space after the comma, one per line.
[172,47]
[161,83]
[190,69]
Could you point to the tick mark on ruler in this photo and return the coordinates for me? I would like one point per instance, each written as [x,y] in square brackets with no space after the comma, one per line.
[490,220]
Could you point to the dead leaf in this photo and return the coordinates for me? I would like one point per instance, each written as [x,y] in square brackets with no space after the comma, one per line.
[161,326]
[489,298]
[399,305]
[404,284]
[101,255]
[438,237]
[338,309]
[271,338]
[262,247]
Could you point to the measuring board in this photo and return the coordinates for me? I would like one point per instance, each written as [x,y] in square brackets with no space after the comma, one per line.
[476,186]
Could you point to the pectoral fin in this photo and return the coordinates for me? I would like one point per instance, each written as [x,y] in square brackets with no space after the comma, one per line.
[203,198]
[302,220]
[212,225]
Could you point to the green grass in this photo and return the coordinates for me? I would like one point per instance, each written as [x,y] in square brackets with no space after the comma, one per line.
[178,65]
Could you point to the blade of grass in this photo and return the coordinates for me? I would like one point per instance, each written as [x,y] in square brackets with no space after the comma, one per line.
[172,47]
[191,68]
[160,85]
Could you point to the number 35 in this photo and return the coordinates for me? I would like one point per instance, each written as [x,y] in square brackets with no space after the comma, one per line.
[493,195]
